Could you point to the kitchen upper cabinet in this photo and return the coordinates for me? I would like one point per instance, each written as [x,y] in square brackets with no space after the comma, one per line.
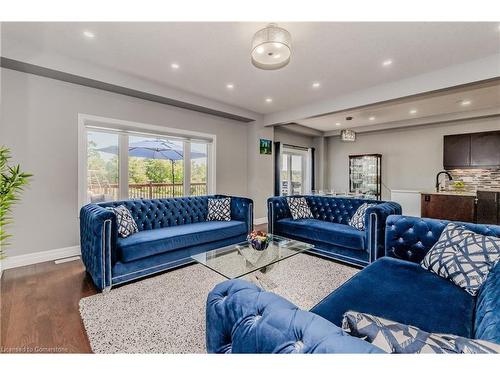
[456,151]
[485,149]
[474,150]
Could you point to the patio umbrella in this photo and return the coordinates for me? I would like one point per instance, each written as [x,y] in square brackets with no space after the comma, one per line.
[155,149]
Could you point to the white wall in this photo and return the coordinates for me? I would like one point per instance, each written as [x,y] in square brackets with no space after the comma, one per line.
[260,168]
[39,124]
[291,138]
[411,157]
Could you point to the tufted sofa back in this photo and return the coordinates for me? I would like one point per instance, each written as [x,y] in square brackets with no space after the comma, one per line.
[332,209]
[410,238]
[161,213]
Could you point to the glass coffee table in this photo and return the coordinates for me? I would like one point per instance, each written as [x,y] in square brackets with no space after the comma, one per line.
[241,259]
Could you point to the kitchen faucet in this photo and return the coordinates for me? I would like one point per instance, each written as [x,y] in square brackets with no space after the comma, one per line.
[437,178]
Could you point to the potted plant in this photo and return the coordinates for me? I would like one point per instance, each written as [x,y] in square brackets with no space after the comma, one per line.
[12,183]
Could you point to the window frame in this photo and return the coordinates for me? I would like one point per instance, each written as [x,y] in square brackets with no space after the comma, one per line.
[125,128]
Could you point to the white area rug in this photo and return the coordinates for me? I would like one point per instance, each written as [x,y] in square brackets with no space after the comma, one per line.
[166,313]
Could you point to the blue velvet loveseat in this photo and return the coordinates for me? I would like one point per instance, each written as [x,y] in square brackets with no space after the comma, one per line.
[329,231]
[241,318]
[170,231]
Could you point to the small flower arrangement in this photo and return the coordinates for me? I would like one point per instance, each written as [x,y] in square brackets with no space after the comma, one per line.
[259,240]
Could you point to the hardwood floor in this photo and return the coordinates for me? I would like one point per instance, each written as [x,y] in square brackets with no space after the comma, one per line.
[39,308]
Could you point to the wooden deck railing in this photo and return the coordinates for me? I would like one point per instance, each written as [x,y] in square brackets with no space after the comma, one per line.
[150,190]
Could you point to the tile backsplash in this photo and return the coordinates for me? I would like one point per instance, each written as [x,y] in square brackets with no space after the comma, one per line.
[480,179]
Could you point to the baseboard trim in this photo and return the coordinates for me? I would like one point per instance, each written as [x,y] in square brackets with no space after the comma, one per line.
[42,256]
[260,220]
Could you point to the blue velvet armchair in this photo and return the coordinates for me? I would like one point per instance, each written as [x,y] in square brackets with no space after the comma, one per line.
[170,231]
[329,230]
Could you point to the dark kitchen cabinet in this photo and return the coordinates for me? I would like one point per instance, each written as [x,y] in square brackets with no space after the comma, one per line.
[456,151]
[474,150]
[488,207]
[485,149]
[448,207]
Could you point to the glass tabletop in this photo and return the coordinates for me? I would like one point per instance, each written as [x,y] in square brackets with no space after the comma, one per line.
[240,259]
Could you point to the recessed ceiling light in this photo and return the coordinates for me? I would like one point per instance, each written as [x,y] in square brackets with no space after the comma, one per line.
[88,34]
[316,85]
[387,62]
[230,86]
[174,66]
[371,118]
[269,100]
[465,102]
[413,111]
[337,123]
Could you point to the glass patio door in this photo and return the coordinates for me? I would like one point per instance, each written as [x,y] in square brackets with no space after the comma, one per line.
[293,168]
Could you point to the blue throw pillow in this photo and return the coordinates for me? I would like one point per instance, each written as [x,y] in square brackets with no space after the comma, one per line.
[393,337]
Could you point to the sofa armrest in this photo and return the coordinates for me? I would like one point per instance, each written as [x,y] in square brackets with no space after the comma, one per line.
[410,238]
[97,239]
[375,220]
[242,209]
[277,209]
[241,318]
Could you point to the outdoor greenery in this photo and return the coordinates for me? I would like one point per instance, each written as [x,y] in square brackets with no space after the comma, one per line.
[142,171]
[12,183]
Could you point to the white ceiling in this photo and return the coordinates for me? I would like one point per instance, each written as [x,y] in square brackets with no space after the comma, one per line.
[486,96]
[343,57]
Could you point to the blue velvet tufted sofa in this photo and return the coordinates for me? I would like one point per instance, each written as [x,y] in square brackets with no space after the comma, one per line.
[329,231]
[241,318]
[170,231]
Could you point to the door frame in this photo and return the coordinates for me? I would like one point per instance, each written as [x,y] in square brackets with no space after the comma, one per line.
[289,152]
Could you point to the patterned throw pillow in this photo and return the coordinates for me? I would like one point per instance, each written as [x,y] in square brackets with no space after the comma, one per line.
[219,209]
[124,220]
[394,337]
[463,257]
[358,219]
[299,208]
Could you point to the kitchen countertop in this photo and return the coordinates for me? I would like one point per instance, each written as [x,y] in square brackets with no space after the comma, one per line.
[461,193]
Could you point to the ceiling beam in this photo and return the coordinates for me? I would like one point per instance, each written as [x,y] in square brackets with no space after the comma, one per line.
[430,120]
[117,89]
[300,129]
[474,71]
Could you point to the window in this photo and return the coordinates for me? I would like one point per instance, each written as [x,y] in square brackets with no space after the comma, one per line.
[199,168]
[102,167]
[155,168]
[118,163]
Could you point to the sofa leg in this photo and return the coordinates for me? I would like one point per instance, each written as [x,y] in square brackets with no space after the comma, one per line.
[106,290]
